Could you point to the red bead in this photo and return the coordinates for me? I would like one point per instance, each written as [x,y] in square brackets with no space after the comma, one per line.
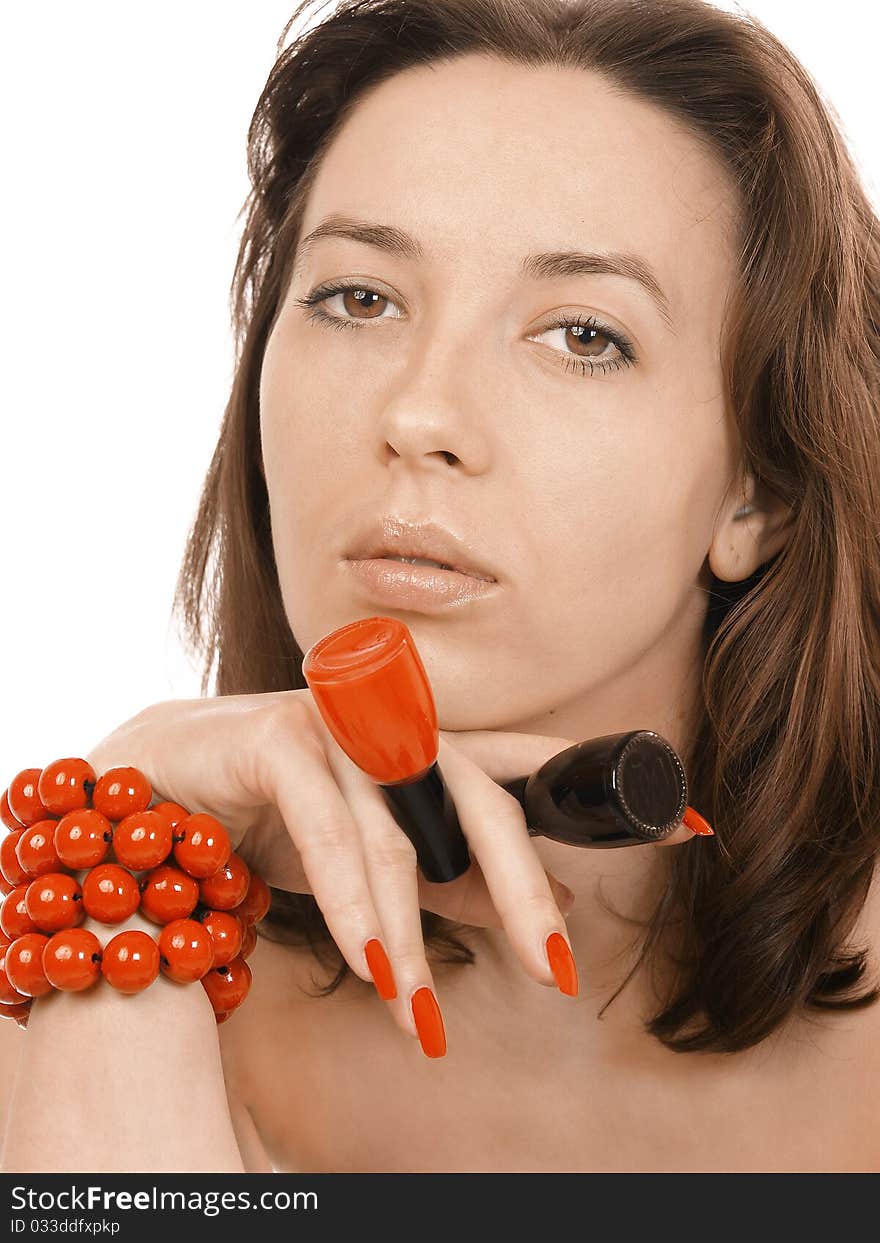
[54,901]
[256,901]
[110,893]
[9,863]
[168,894]
[35,849]
[6,886]
[24,964]
[72,960]
[227,986]
[225,933]
[205,846]
[9,994]
[24,802]
[121,791]
[248,941]
[131,961]
[186,950]
[142,840]
[62,785]
[18,1012]
[173,812]
[226,888]
[11,822]
[14,918]
[82,838]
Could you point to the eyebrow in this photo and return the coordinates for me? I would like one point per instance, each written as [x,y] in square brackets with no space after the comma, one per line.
[543,266]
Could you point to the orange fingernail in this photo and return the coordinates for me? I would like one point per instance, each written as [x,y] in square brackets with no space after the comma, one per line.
[562,964]
[696,823]
[380,969]
[429,1022]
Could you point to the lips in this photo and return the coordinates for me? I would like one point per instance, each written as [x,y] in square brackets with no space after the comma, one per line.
[437,565]
[384,554]
[405,541]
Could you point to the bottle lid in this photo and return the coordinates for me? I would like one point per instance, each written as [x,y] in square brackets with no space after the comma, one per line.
[371,689]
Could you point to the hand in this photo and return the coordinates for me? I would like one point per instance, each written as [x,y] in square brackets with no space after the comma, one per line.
[506,885]
[310,821]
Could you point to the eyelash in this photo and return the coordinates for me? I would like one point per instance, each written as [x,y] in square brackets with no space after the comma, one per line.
[623,344]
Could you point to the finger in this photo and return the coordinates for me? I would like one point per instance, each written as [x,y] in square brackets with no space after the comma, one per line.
[321,827]
[505,756]
[468,900]
[390,865]
[495,828]
[390,862]
[464,900]
[692,825]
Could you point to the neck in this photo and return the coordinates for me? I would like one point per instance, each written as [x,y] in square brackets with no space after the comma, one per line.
[662,693]
[606,930]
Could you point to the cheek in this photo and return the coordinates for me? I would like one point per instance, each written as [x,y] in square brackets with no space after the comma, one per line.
[605,500]
[303,442]
[301,465]
[616,528]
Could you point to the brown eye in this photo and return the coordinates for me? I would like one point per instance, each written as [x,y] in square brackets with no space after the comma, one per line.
[354,306]
[584,345]
[355,301]
[587,342]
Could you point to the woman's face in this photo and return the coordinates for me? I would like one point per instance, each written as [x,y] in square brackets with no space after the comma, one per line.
[586,474]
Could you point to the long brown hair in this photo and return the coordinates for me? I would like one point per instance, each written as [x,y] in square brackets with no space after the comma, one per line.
[785,760]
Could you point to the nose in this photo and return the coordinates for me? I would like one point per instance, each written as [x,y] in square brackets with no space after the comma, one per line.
[432,421]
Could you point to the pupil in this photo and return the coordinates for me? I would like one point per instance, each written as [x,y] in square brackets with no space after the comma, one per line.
[583,334]
[364,298]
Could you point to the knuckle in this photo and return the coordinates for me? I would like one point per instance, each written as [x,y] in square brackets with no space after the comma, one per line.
[329,835]
[343,910]
[285,730]
[409,961]
[392,852]
[511,809]
[285,720]
[536,904]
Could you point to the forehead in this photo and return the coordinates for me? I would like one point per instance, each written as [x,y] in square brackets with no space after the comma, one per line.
[484,160]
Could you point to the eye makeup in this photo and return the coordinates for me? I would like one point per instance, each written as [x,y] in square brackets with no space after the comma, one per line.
[585,325]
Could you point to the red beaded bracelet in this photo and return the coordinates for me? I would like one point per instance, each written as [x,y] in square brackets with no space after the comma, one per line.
[64,819]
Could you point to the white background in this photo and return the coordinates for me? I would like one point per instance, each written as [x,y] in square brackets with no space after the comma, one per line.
[124,170]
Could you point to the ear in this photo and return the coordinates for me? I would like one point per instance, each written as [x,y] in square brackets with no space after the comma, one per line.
[753,525]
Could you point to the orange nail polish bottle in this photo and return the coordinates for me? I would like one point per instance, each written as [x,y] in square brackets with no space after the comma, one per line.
[372,691]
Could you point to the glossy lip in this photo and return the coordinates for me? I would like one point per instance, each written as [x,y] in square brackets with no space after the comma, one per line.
[401,537]
[417,587]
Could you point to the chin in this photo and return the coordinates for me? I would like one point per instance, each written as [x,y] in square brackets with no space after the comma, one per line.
[469,709]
